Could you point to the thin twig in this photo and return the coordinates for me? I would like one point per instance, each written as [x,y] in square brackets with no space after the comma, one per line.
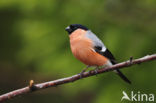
[73,78]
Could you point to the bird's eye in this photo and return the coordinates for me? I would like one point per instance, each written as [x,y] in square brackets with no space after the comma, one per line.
[75,28]
[71,26]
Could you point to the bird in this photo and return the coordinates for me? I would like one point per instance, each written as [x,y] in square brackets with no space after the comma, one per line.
[90,50]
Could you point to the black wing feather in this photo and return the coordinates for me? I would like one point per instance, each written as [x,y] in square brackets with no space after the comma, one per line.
[107,54]
[110,56]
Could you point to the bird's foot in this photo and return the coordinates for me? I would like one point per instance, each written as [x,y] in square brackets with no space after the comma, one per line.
[81,73]
[96,70]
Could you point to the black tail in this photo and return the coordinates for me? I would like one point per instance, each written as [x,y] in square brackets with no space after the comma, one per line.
[109,55]
[123,76]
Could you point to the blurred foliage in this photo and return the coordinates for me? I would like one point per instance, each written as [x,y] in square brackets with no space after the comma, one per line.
[34,45]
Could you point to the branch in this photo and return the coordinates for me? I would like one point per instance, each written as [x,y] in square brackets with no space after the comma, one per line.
[32,87]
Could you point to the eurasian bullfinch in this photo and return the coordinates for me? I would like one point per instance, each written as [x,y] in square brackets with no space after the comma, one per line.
[89,49]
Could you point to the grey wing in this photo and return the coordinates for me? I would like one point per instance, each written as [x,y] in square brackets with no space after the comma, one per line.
[96,40]
[100,48]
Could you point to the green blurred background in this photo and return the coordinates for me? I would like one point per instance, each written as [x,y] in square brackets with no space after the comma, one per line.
[34,45]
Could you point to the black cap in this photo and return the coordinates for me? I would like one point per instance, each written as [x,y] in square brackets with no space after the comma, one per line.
[71,28]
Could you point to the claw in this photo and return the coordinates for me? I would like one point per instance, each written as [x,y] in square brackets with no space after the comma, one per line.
[96,70]
[131,59]
[81,74]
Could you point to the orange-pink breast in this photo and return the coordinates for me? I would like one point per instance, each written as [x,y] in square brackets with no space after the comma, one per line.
[82,49]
